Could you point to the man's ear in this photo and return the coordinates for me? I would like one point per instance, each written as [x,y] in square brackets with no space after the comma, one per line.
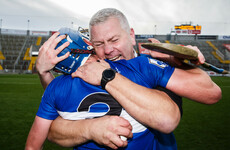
[132,35]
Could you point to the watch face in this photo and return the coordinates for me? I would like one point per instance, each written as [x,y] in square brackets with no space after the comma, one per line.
[109,74]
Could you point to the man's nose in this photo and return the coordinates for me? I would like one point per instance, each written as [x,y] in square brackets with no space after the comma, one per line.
[108,48]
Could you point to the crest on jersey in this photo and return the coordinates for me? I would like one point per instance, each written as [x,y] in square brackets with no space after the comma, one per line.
[158,63]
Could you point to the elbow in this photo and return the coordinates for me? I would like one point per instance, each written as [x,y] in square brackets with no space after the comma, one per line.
[167,123]
[215,96]
[50,137]
[170,125]
[30,146]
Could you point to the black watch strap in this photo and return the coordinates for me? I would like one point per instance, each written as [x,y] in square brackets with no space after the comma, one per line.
[107,75]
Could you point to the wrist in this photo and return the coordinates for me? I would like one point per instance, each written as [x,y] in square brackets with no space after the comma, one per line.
[89,129]
[43,73]
[107,76]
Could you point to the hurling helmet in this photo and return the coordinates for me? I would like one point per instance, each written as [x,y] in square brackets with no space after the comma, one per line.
[79,48]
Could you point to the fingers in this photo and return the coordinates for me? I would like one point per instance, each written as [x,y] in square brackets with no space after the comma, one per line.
[91,72]
[56,41]
[52,42]
[54,36]
[60,48]
[104,63]
[114,141]
[47,57]
[176,61]
[121,126]
[201,58]
[111,128]
[74,74]
[47,44]
[63,57]
[124,130]
[153,40]
[113,146]
[77,73]
[118,142]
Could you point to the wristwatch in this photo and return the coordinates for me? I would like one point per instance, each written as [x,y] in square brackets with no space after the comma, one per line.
[107,75]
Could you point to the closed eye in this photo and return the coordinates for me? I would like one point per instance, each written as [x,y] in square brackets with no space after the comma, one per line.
[97,44]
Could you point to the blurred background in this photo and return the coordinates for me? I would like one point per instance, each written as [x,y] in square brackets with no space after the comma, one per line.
[25,25]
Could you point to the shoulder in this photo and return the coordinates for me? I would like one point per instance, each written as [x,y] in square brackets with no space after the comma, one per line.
[138,59]
[59,83]
[61,79]
[147,61]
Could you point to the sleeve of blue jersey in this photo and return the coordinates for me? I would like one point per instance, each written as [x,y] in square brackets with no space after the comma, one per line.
[167,75]
[157,71]
[164,71]
[47,109]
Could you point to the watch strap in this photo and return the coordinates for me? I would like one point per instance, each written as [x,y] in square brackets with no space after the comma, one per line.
[105,79]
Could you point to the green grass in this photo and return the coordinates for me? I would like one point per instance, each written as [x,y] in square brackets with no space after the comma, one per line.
[206,127]
[202,126]
[20,96]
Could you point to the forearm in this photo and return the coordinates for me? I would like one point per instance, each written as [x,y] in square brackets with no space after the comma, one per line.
[38,134]
[195,84]
[45,78]
[69,133]
[47,58]
[104,131]
[150,107]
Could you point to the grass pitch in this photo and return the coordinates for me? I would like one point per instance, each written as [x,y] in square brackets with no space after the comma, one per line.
[202,126]
[206,127]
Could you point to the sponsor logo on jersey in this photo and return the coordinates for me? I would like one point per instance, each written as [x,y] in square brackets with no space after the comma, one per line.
[157,63]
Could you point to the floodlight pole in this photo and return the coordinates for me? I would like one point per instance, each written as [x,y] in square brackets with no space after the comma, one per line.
[72,24]
[28,27]
[28,24]
[1,27]
[1,23]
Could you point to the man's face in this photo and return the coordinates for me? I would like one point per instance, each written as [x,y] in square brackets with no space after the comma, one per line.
[111,41]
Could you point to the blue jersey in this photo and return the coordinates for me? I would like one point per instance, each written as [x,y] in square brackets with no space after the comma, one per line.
[74,99]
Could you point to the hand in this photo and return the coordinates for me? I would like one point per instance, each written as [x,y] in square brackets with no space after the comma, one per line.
[201,58]
[156,54]
[178,61]
[108,129]
[91,72]
[164,57]
[47,57]
[153,40]
[172,59]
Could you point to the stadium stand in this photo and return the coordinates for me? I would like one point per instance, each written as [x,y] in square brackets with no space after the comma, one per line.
[18,52]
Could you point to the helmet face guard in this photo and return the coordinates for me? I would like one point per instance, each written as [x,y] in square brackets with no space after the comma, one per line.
[79,49]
